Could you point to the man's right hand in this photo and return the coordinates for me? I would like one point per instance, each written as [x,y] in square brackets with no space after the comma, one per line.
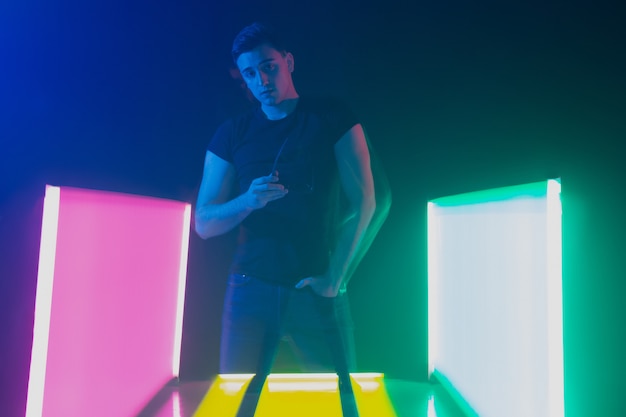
[262,190]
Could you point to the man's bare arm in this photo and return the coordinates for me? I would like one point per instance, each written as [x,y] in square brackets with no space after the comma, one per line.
[216,211]
[355,174]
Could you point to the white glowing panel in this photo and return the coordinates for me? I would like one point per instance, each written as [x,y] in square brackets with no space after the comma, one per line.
[495,300]
[109,303]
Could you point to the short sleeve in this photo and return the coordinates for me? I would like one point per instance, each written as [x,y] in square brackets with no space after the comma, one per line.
[221,143]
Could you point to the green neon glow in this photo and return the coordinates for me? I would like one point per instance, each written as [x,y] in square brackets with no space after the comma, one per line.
[535,189]
[454,394]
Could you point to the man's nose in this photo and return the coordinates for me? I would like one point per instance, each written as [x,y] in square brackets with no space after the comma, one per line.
[263,79]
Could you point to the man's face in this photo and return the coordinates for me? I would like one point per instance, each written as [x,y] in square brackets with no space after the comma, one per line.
[267,73]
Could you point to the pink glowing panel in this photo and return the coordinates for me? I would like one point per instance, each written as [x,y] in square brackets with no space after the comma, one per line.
[110,294]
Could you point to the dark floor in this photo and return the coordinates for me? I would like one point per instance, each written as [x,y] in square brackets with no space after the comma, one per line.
[393,398]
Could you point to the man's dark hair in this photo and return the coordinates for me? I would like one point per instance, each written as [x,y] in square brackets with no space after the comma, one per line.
[255,35]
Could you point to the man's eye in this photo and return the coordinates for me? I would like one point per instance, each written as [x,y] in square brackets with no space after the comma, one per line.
[270,67]
[248,74]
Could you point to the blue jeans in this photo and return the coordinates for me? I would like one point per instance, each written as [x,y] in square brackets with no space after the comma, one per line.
[258,314]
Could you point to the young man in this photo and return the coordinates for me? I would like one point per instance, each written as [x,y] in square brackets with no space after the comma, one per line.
[276,173]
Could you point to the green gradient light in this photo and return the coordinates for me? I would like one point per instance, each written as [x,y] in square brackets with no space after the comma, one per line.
[467,409]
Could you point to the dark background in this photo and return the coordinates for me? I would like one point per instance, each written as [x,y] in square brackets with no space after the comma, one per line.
[456,96]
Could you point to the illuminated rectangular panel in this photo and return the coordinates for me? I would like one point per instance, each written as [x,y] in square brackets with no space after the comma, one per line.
[113,268]
[495,300]
[224,396]
[297,394]
[294,394]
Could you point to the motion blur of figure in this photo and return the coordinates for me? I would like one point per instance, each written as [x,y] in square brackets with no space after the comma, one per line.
[294,175]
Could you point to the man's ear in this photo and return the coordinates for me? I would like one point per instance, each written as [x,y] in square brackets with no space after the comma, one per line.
[290,62]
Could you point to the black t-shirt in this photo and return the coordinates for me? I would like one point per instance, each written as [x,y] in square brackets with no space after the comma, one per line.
[290,238]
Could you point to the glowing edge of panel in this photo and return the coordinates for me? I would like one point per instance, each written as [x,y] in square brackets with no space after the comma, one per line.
[432,289]
[555,296]
[43,301]
[290,382]
[320,376]
[533,189]
[182,280]
[176,406]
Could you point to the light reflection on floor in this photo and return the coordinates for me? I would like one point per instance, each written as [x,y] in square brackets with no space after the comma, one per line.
[294,395]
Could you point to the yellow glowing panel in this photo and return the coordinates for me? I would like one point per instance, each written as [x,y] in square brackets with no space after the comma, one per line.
[371,396]
[224,396]
[297,394]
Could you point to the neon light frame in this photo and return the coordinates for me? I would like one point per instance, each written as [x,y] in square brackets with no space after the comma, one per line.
[43,301]
[44,291]
[552,191]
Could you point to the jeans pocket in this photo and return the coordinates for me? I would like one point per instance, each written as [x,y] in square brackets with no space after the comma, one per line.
[238,280]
